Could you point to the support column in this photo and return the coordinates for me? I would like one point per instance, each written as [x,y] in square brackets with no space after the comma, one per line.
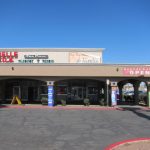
[4,90]
[50,85]
[121,98]
[148,94]
[136,92]
[113,93]
[107,92]
[1,92]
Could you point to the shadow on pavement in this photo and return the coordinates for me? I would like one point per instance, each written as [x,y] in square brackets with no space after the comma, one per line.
[139,112]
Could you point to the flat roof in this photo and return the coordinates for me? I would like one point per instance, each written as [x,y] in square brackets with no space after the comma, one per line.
[75,64]
[53,49]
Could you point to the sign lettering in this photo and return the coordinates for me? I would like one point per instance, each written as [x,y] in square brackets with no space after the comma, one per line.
[8,57]
[136,70]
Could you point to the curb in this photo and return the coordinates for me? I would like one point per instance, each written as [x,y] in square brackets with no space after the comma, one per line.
[60,107]
[114,145]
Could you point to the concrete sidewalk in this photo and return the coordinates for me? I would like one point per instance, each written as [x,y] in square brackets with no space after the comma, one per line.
[74,107]
[67,107]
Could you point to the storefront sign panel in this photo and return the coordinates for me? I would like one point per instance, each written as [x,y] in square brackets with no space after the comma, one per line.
[8,57]
[49,57]
[33,57]
[136,71]
[84,57]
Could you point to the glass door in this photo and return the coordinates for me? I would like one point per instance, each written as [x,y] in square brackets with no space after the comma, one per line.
[16,91]
[77,93]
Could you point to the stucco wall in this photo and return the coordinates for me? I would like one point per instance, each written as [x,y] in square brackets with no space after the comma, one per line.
[66,70]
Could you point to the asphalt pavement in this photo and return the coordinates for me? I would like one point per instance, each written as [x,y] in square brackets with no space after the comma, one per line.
[47,129]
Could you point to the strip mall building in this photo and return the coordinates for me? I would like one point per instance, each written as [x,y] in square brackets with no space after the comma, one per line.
[71,74]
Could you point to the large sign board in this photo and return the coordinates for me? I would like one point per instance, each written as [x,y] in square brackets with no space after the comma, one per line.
[84,57]
[136,70]
[49,57]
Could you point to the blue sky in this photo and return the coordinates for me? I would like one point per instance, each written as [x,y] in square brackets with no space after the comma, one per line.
[122,27]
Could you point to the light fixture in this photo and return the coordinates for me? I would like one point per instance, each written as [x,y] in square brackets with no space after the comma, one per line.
[117,69]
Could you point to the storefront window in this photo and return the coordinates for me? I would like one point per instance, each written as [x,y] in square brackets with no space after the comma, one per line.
[9,92]
[43,90]
[92,90]
[24,92]
[35,93]
[62,90]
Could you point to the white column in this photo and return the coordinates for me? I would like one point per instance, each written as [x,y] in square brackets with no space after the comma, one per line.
[113,93]
[148,94]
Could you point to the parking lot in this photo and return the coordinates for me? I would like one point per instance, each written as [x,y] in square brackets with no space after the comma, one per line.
[49,129]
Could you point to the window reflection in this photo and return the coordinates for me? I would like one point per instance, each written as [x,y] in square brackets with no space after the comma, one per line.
[62,90]
[92,90]
[43,90]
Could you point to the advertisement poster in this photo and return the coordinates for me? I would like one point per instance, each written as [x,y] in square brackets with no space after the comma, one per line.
[113,97]
[84,57]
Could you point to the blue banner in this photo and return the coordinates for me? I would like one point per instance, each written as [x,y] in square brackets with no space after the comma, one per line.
[50,95]
[113,98]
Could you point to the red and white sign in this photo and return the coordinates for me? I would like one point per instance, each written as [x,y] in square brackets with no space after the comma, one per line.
[136,70]
[8,57]
[49,57]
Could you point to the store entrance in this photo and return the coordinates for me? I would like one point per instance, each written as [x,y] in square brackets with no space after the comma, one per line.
[30,94]
[27,90]
[76,90]
[76,93]
[16,91]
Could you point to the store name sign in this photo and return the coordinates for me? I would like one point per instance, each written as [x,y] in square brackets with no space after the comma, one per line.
[136,71]
[48,57]
[25,57]
[28,58]
[8,57]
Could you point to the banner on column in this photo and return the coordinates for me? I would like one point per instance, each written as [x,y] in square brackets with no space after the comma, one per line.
[50,96]
[114,96]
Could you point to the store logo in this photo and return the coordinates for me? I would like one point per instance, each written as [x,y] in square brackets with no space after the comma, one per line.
[8,57]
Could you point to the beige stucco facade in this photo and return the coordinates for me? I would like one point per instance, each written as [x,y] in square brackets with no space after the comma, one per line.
[82,70]
[64,62]
[70,65]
